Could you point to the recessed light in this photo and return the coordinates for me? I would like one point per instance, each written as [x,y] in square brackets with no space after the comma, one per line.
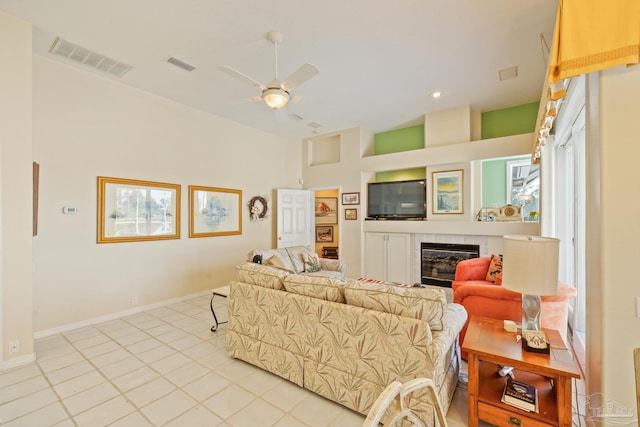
[436,94]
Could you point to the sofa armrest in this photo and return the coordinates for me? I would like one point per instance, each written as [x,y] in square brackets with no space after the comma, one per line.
[489,291]
[455,317]
[333,265]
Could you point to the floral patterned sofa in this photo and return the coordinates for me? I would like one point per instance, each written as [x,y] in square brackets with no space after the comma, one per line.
[294,259]
[345,340]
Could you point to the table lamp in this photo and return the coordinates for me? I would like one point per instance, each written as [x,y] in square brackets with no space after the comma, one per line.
[530,267]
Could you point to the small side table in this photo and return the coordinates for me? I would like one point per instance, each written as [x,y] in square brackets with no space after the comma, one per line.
[489,345]
[221,292]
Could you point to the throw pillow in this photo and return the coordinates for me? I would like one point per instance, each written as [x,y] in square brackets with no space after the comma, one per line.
[274,261]
[494,273]
[311,263]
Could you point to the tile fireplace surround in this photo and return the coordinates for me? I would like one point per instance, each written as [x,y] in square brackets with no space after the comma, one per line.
[483,242]
[487,235]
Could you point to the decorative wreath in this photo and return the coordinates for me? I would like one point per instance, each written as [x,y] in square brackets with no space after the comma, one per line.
[255,212]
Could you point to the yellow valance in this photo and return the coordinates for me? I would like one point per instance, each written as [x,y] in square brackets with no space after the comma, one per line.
[593,35]
[590,35]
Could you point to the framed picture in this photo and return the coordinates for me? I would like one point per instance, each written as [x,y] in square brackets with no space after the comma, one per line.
[131,210]
[324,233]
[350,198]
[326,210]
[447,192]
[350,214]
[214,211]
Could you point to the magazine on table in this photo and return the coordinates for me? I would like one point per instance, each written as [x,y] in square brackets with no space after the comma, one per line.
[520,395]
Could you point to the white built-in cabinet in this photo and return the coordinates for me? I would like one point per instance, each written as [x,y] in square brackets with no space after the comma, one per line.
[388,257]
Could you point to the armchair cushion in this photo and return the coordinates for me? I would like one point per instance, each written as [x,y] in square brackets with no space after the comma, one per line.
[473,271]
[500,303]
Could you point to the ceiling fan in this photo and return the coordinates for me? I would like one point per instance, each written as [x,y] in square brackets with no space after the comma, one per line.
[275,94]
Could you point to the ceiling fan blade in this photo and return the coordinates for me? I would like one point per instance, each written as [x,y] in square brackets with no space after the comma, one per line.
[301,75]
[243,77]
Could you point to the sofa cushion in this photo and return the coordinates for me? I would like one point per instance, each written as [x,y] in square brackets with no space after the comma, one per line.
[327,274]
[420,303]
[494,272]
[262,275]
[324,288]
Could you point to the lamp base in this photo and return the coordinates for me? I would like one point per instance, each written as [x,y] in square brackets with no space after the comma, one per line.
[533,339]
[531,313]
[535,342]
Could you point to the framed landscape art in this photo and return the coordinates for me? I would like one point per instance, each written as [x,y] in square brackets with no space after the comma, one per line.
[447,192]
[326,210]
[214,211]
[324,233]
[350,214]
[132,210]
[350,198]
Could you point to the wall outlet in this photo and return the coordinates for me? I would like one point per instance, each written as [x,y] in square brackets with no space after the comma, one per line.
[134,300]
[14,347]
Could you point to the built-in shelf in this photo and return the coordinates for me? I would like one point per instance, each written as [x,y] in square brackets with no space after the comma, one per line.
[471,228]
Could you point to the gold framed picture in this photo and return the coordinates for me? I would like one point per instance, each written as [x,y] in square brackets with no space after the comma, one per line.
[214,211]
[131,210]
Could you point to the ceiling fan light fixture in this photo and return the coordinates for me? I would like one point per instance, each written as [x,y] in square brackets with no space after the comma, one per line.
[275,98]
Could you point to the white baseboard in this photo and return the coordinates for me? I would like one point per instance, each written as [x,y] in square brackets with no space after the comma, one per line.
[18,361]
[106,318]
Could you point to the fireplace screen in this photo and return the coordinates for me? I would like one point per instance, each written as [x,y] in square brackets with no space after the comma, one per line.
[439,261]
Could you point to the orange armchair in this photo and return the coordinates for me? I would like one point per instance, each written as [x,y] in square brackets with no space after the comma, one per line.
[482,298]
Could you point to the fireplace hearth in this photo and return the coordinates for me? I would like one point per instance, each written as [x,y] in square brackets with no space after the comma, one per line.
[439,261]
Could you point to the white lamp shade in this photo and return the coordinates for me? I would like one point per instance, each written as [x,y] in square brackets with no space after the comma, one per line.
[530,264]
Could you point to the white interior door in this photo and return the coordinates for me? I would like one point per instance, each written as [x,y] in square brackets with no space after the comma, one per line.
[295,217]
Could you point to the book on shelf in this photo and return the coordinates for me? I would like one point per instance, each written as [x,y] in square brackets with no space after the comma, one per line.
[520,395]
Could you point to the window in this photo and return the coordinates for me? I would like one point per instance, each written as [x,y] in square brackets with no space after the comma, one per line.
[569,211]
[523,187]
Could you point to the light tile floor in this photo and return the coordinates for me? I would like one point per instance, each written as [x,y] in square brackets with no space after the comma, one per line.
[163,367]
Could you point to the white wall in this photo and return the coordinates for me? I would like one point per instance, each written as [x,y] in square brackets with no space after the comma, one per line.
[620,230]
[348,180]
[85,126]
[16,190]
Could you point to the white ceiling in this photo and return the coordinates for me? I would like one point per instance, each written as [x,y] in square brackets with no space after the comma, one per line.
[379,59]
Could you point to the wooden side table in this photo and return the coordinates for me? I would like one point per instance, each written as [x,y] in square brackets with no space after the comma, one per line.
[488,345]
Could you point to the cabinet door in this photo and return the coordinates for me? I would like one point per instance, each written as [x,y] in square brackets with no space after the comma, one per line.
[399,258]
[375,255]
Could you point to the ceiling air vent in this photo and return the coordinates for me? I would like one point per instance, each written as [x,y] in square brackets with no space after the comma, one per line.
[295,116]
[314,125]
[88,57]
[180,64]
[508,73]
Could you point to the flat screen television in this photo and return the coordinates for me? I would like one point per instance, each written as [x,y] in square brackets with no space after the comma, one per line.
[397,199]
